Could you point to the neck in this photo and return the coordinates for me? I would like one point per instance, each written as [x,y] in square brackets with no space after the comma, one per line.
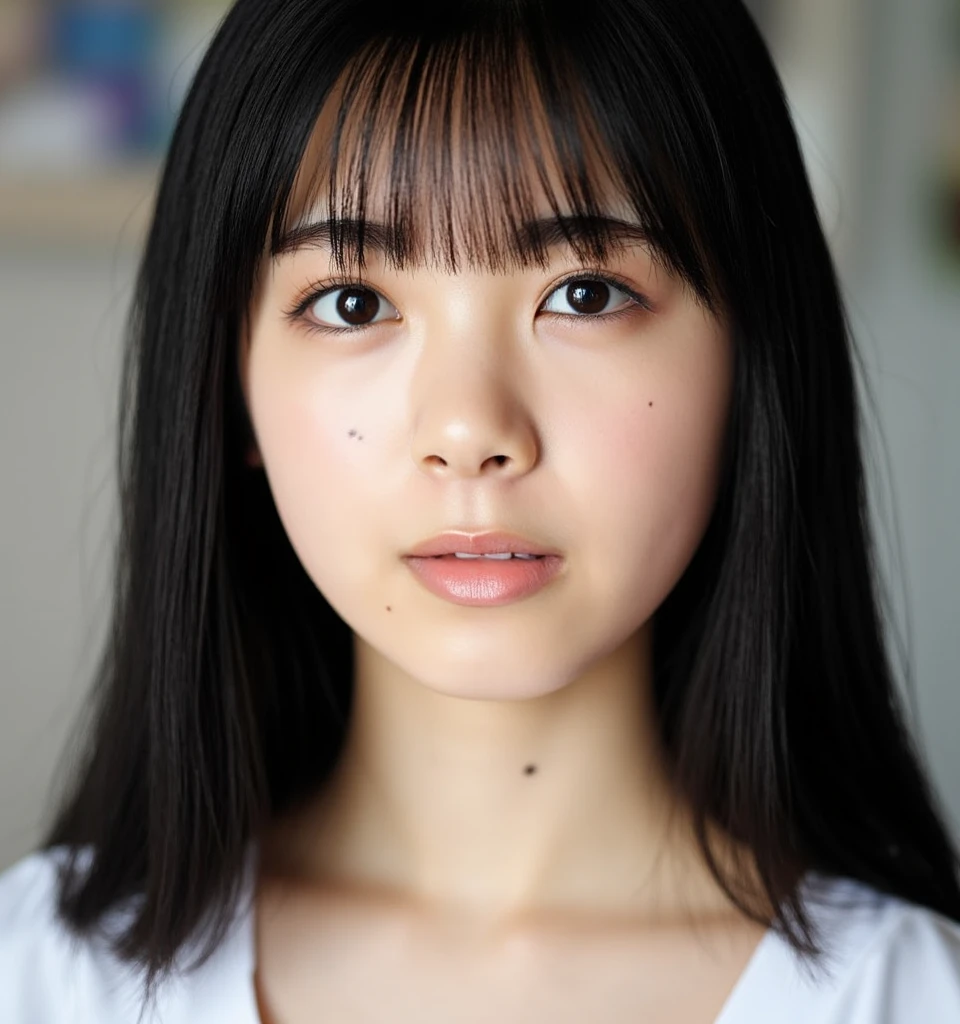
[501,809]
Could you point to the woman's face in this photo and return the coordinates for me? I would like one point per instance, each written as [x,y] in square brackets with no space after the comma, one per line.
[608,433]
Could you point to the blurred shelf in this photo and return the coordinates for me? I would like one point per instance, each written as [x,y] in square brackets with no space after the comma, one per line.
[99,208]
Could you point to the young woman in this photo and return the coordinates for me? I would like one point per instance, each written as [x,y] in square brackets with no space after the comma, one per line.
[496,632]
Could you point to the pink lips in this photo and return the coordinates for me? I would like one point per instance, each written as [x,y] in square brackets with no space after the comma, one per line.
[484,581]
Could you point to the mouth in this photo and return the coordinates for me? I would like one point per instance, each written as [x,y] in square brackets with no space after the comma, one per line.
[485,580]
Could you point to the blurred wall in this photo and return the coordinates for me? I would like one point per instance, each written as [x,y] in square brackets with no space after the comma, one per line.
[73,206]
[865,81]
[906,303]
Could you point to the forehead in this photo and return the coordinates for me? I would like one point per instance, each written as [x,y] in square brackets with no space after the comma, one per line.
[428,162]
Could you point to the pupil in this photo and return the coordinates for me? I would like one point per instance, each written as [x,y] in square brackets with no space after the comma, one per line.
[356,305]
[588,297]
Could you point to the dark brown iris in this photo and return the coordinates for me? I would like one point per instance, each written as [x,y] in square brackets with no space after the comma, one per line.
[358,306]
[588,296]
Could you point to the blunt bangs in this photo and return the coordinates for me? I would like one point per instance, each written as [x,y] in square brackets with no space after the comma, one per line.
[484,141]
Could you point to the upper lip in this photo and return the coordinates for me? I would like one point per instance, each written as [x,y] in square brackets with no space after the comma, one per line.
[489,543]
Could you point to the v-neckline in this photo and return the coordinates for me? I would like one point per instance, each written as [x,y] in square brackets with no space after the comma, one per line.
[742,987]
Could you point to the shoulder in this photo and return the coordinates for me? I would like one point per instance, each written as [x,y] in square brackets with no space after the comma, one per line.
[886,960]
[48,975]
[909,968]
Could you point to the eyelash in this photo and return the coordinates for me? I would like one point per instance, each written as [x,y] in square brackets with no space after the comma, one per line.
[316,291]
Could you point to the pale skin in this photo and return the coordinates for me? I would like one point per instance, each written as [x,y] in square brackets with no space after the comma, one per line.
[437,878]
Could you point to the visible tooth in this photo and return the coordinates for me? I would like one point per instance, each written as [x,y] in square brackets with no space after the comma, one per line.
[501,557]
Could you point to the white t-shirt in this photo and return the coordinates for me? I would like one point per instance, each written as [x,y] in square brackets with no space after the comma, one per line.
[889,962]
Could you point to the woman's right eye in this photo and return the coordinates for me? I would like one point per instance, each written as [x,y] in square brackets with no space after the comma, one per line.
[349,307]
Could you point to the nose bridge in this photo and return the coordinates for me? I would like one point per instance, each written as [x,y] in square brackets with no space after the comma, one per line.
[468,338]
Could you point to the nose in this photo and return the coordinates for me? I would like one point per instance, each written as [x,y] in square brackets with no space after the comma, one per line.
[471,418]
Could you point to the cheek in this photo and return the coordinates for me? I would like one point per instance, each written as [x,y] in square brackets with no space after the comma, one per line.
[313,448]
[649,478]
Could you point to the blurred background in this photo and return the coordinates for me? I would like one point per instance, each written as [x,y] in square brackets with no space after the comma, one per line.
[89,93]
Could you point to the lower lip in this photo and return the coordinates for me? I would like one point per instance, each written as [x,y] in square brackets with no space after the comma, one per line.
[484,581]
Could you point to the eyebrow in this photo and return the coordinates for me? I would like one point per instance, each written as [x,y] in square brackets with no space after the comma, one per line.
[544,232]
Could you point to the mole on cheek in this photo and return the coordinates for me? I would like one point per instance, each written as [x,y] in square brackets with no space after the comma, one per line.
[353,433]
[530,769]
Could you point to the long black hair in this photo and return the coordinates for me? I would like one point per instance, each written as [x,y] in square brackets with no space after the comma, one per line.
[224,691]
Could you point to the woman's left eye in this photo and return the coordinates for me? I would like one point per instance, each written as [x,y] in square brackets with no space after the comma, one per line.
[590,296]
